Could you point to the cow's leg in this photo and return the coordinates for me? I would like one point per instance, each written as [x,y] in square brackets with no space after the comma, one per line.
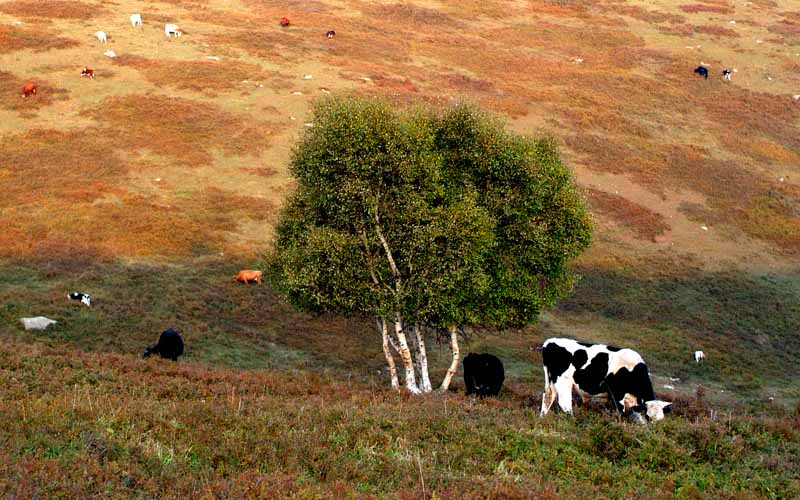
[548,396]
[564,391]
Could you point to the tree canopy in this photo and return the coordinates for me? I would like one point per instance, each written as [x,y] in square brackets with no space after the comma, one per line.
[425,216]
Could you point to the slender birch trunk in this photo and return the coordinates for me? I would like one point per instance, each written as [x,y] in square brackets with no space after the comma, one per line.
[422,359]
[388,353]
[456,358]
[405,354]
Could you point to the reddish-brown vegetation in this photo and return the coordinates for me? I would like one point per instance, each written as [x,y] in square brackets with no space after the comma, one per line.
[641,221]
[15,38]
[207,77]
[60,9]
[694,8]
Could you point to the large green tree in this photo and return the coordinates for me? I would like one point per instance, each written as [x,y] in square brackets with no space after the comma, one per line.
[422,217]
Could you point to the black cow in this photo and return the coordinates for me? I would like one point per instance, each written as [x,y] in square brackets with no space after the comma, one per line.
[330,34]
[483,374]
[170,346]
[702,71]
[598,369]
[726,74]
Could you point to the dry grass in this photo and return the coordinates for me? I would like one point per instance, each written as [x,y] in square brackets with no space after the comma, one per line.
[695,8]
[642,222]
[59,9]
[208,77]
[185,130]
[11,94]
[15,38]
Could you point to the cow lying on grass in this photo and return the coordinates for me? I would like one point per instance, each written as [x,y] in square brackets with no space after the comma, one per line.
[169,346]
[483,374]
[598,369]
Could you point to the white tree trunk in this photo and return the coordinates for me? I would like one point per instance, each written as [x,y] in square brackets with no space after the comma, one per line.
[405,354]
[422,360]
[388,353]
[456,358]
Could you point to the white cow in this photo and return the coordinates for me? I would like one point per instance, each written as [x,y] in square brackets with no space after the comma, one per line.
[101,35]
[172,29]
[699,356]
[136,20]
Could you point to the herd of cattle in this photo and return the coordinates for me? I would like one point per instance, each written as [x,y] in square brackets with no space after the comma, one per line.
[615,374]
[170,30]
[569,365]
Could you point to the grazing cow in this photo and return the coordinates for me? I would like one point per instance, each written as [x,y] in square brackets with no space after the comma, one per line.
[172,29]
[699,356]
[88,72]
[702,71]
[483,374]
[29,89]
[330,34]
[598,369]
[37,323]
[136,20]
[101,35]
[284,22]
[726,74]
[169,346]
[84,298]
[247,275]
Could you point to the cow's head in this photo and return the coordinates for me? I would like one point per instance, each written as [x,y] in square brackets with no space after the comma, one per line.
[655,409]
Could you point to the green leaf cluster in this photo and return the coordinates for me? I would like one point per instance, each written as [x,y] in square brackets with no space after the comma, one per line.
[480,223]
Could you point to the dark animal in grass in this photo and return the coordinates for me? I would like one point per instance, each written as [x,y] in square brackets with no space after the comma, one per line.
[170,346]
[84,298]
[285,21]
[330,34]
[483,374]
[595,369]
[702,71]
[726,74]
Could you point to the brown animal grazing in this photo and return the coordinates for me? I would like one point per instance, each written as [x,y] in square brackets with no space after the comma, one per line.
[88,72]
[29,89]
[246,276]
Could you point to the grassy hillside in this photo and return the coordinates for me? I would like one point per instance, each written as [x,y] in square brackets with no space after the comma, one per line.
[75,425]
[151,185]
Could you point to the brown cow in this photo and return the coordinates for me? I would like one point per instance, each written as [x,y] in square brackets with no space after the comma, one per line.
[29,89]
[246,276]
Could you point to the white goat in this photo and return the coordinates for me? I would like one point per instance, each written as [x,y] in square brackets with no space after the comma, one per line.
[136,20]
[699,356]
[101,35]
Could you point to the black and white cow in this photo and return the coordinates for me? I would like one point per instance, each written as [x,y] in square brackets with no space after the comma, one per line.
[598,369]
[483,374]
[82,297]
[170,346]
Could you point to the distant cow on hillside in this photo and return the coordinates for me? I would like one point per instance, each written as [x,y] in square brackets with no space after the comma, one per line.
[29,89]
[247,275]
[136,20]
[598,369]
[330,34]
[285,21]
[169,346]
[88,72]
[84,298]
[702,71]
[172,30]
[483,374]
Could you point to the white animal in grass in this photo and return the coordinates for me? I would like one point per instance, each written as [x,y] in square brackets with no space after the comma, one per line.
[172,29]
[699,356]
[37,323]
[136,20]
[101,35]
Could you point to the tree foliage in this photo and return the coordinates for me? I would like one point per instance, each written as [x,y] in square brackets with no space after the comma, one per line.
[426,216]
